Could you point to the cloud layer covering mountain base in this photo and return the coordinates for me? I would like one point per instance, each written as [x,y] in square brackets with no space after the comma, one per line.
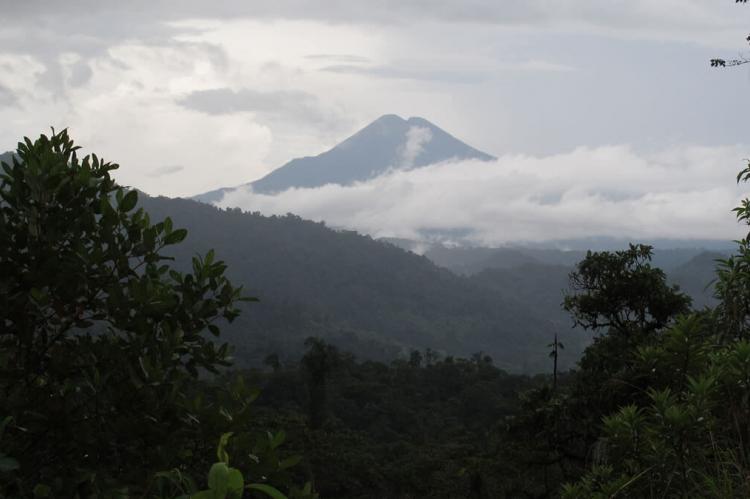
[614,191]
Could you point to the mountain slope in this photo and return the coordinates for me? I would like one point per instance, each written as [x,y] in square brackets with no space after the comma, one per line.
[544,285]
[6,157]
[696,278]
[388,142]
[365,295]
[472,260]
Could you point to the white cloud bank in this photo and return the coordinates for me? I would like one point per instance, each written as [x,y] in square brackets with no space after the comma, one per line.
[684,193]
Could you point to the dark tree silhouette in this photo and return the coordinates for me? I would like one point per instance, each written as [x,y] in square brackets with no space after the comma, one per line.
[738,61]
[319,362]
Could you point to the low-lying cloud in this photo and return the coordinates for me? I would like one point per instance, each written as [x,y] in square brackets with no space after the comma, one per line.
[416,138]
[680,193]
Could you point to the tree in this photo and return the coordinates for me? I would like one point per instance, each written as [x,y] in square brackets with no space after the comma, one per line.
[272,360]
[620,292]
[415,358]
[690,435]
[629,303]
[732,285]
[101,341]
[555,347]
[738,61]
[319,362]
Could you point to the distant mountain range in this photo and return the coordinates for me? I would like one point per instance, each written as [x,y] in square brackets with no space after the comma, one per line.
[367,296]
[378,301]
[539,270]
[390,142]
[470,260]
[6,157]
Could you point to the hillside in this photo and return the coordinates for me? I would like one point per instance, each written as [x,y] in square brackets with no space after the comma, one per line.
[473,260]
[367,296]
[543,283]
[696,278]
[388,142]
[6,157]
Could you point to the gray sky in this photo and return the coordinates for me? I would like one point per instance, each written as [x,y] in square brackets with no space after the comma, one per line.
[191,95]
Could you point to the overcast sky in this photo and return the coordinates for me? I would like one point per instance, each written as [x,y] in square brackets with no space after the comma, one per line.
[189,96]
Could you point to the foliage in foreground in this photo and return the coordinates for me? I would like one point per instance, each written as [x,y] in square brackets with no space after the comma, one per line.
[688,435]
[102,342]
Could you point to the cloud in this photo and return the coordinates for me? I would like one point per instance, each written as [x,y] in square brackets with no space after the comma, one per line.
[416,138]
[20,74]
[165,170]
[411,73]
[79,74]
[699,21]
[437,71]
[680,193]
[340,58]
[7,97]
[227,101]
[126,113]
[535,65]
[213,151]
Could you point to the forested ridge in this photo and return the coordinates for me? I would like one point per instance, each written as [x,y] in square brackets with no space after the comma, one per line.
[378,301]
[366,296]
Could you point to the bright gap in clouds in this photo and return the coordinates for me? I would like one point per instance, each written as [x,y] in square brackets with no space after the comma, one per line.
[681,193]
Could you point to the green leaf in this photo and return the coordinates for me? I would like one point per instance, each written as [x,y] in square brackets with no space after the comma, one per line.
[129,201]
[175,236]
[41,490]
[221,452]
[106,208]
[290,462]
[218,477]
[278,439]
[268,490]
[8,463]
[235,484]
[3,424]
[39,296]
[149,239]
